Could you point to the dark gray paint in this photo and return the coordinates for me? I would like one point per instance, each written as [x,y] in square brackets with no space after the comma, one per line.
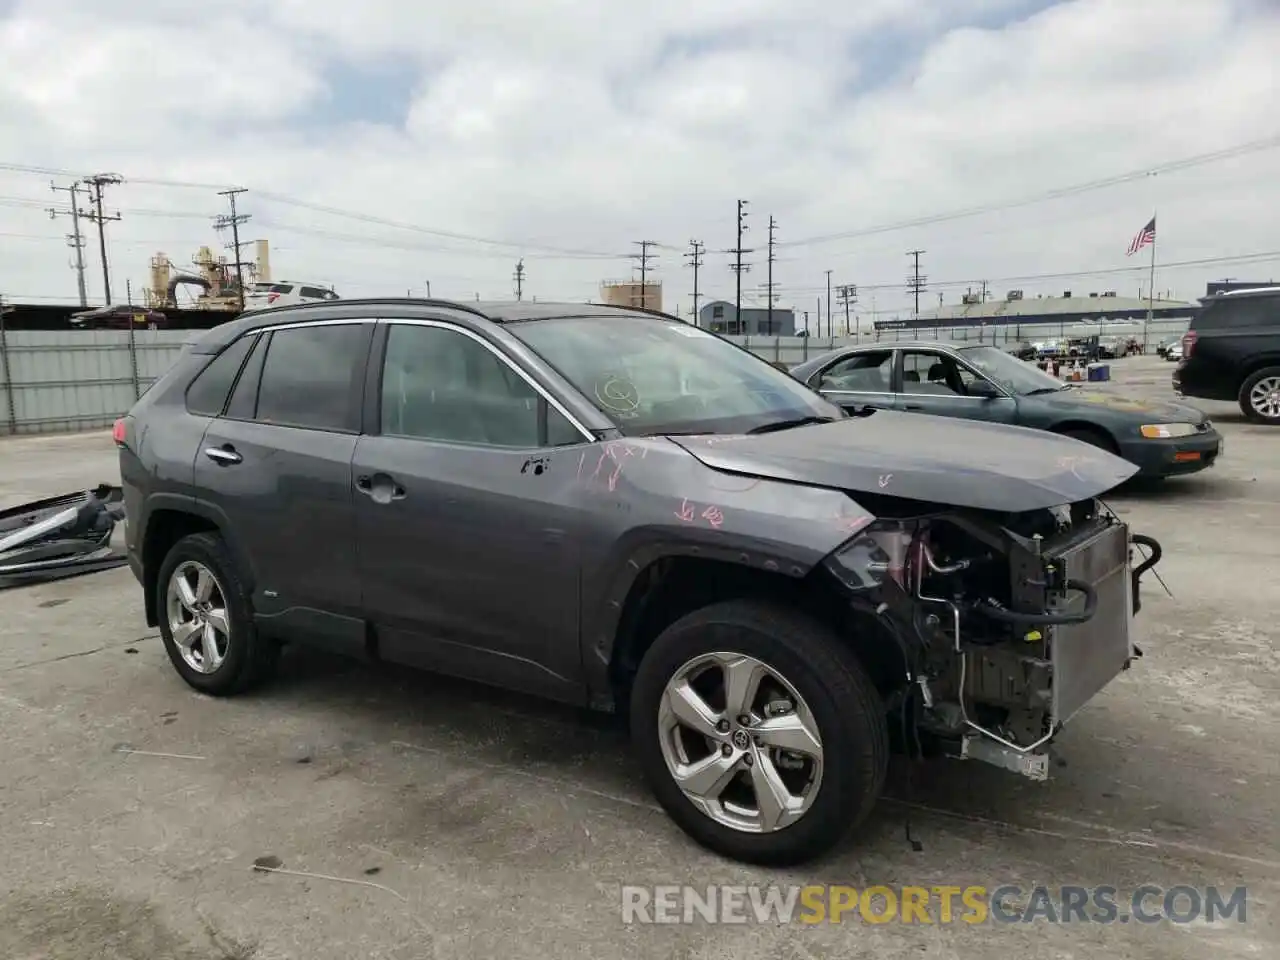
[513,566]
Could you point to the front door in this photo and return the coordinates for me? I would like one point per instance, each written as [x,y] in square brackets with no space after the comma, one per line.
[935,382]
[858,380]
[466,511]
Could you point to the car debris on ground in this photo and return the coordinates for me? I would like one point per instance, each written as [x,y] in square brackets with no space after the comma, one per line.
[58,537]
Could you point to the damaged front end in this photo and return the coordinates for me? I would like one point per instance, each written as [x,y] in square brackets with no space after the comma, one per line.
[59,537]
[1007,624]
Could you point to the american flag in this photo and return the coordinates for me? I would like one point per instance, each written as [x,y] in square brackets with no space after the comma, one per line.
[1146,235]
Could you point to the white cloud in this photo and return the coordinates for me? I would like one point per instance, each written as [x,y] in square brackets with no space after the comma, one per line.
[589,125]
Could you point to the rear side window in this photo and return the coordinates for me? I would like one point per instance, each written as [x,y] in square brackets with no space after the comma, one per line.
[312,377]
[315,293]
[282,288]
[207,394]
[1233,313]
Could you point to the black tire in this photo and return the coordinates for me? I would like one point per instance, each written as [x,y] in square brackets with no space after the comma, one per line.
[1095,437]
[847,710]
[250,658]
[1246,405]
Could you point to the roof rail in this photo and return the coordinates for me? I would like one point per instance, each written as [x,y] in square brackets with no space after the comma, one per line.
[416,301]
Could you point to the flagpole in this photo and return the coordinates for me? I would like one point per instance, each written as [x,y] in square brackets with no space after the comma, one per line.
[1151,288]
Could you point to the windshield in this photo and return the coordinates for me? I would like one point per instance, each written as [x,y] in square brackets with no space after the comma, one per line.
[650,376]
[1016,376]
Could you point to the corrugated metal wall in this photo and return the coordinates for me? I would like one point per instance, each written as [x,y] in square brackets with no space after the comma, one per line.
[62,380]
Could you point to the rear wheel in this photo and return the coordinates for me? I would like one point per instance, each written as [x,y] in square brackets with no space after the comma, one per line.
[1260,396]
[206,621]
[759,731]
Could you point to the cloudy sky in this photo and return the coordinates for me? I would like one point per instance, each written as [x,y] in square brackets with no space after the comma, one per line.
[388,143]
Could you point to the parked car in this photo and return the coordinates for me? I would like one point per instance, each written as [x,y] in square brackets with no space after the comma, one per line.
[285,293]
[983,383]
[619,510]
[119,316]
[1173,352]
[1232,352]
[1162,347]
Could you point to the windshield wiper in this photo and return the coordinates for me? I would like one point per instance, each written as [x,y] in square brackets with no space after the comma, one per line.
[788,424]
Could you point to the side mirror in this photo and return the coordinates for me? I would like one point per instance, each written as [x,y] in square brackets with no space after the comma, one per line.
[984,389]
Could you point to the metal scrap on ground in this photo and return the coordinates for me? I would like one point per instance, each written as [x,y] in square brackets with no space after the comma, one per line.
[58,537]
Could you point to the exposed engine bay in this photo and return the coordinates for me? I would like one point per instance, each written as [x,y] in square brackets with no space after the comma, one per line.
[1007,624]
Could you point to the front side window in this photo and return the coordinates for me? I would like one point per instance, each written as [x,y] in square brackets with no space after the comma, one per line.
[441,384]
[653,376]
[310,377]
[924,372]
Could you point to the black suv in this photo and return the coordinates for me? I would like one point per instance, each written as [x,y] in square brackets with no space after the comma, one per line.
[613,508]
[1232,352]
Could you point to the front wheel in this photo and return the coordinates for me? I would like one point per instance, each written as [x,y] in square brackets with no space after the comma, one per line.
[759,732]
[1260,396]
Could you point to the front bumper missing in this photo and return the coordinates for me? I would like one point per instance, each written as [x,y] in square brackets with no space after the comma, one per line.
[59,537]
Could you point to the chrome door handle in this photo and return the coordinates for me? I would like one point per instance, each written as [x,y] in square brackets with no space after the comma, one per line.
[224,455]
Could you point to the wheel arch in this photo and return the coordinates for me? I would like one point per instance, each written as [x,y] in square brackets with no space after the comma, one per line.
[1088,426]
[167,523]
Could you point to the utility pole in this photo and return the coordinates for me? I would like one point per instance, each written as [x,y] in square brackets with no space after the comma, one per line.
[519,279]
[848,295]
[738,266]
[74,239]
[694,256]
[644,256]
[768,287]
[830,331]
[916,283]
[233,220]
[984,291]
[96,183]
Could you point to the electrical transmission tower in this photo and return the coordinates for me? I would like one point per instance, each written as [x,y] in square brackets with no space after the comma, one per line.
[694,256]
[233,220]
[770,297]
[518,277]
[848,295]
[644,256]
[738,267]
[74,239]
[95,215]
[916,282]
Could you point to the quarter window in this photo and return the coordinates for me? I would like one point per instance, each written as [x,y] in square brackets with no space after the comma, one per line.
[311,377]
[207,394]
[440,384]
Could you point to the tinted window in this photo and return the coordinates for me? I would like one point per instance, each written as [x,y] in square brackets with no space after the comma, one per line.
[862,372]
[244,398]
[1240,312]
[207,394]
[440,384]
[309,377]
[281,287]
[315,293]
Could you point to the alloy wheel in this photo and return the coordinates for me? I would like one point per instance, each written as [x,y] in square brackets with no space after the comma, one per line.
[1265,398]
[740,742]
[197,610]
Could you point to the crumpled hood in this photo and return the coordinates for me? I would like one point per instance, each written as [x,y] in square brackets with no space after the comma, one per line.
[963,463]
[1148,411]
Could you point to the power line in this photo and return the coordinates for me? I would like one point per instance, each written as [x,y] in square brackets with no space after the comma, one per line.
[75,240]
[694,256]
[738,266]
[1173,166]
[96,183]
[644,256]
[233,220]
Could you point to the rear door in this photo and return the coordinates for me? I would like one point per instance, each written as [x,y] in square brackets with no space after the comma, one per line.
[856,380]
[277,464]
[935,382]
[467,502]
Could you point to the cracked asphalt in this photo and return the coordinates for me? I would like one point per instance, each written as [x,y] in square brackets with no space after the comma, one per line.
[435,819]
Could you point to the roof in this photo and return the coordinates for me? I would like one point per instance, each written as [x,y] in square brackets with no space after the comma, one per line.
[493,311]
[1045,306]
[1265,291]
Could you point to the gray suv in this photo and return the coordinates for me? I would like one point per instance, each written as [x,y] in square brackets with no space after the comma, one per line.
[613,508]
